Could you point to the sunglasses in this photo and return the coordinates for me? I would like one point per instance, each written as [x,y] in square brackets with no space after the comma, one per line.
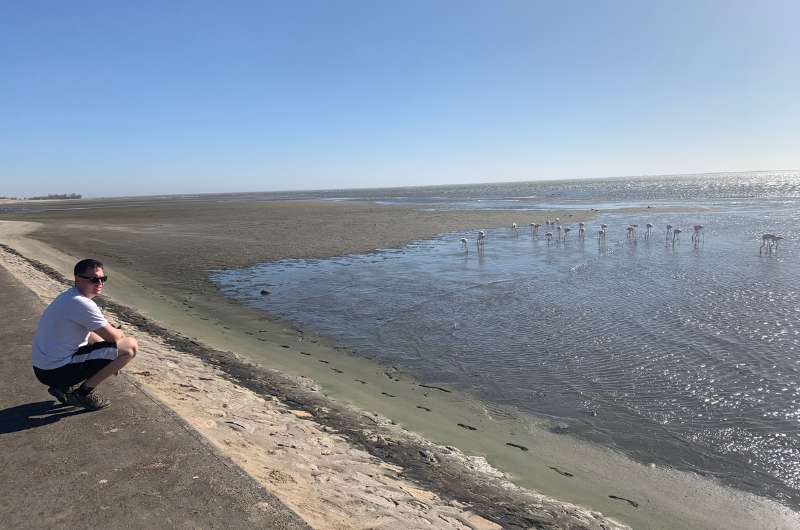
[95,279]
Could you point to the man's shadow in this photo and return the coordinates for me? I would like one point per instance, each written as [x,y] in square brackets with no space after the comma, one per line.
[32,415]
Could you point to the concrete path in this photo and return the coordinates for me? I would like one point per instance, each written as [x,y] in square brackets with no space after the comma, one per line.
[132,465]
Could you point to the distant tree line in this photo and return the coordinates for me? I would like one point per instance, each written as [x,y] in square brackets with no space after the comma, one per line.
[57,196]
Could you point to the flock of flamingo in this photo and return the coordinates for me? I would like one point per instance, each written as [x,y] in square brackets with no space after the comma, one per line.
[768,241]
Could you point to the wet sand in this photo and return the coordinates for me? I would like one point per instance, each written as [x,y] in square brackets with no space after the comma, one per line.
[158,256]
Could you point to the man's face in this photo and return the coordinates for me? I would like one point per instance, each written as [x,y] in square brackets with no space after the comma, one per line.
[89,283]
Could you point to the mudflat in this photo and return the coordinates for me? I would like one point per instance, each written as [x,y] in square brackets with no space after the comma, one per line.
[158,253]
[179,241]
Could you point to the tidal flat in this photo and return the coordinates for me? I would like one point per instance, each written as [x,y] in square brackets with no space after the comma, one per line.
[159,253]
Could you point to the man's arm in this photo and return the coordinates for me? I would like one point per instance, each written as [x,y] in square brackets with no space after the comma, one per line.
[108,333]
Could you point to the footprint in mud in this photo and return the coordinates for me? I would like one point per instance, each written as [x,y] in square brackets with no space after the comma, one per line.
[389,395]
[248,333]
[435,388]
[284,346]
[467,427]
[304,353]
[324,361]
[426,409]
[262,340]
[360,381]
[517,446]
[337,370]
[560,472]
[632,503]
[203,318]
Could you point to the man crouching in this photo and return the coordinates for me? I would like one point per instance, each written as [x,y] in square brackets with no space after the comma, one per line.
[74,343]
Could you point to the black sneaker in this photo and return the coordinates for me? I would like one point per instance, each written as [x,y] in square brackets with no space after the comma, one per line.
[59,393]
[90,401]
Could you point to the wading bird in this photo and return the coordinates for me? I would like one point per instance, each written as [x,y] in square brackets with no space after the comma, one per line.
[697,234]
[481,240]
[770,241]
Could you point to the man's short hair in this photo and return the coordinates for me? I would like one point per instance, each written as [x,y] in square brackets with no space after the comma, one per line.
[86,265]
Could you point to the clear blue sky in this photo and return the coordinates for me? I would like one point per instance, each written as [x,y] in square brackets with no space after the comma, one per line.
[119,98]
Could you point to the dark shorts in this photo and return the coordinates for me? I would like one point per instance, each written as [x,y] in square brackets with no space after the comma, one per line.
[86,362]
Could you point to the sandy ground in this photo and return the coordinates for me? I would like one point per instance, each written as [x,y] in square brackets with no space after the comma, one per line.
[314,469]
[136,465]
[158,254]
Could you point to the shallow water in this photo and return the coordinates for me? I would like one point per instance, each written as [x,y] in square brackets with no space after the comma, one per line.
[684,355]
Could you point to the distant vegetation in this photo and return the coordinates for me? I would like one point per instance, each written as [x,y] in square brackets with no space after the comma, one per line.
[57,196]
[3,197]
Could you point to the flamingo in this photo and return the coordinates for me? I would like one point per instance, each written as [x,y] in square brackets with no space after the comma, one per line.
[465,243]
[548,236]
[648,231]
[631,232]
[669,231]
[514,228]
[581,230]
[770,241]
[566,231]
[535,229]
[698,233]
[481,238]
[675,233]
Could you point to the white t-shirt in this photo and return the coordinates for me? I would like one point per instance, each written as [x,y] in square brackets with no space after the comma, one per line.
[64,327]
